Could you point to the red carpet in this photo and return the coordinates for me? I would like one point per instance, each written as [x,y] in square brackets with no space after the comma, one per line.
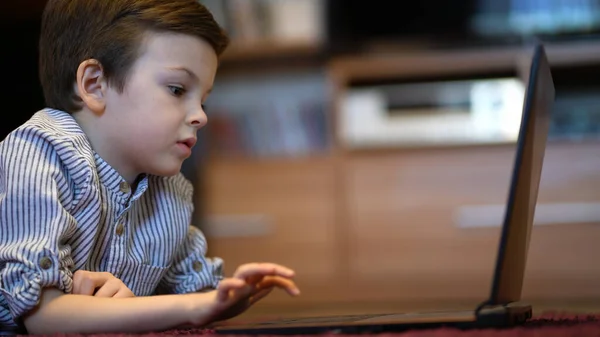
[547,325]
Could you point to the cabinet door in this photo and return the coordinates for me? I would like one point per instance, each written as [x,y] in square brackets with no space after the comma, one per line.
[406,238]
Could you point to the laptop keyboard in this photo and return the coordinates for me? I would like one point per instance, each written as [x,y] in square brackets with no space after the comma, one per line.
[324,319]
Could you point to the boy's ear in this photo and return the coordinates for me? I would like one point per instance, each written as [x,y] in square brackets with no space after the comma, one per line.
[91,85]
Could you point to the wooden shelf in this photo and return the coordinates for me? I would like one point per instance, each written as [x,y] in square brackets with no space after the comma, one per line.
[268,49]
[215,159]
[382,65]
[398,149]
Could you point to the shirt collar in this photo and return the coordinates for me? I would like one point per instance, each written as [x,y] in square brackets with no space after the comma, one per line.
[108,176]
[115,183]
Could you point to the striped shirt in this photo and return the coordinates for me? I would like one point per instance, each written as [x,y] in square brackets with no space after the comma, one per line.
[63,208]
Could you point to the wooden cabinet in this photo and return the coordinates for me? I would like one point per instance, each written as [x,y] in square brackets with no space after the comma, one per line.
[385,226]
[562,261]
[407,242]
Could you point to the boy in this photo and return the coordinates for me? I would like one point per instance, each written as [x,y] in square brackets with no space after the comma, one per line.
[93,209]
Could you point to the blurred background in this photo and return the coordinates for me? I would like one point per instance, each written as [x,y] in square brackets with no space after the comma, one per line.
[369,146]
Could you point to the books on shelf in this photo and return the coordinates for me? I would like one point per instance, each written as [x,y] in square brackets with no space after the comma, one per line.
[269,115]
[280,131]
[285,21]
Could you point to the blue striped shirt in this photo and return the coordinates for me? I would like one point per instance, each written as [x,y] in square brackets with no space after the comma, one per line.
[63,208]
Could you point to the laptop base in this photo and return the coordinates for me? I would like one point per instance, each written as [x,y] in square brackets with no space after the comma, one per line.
[501,316]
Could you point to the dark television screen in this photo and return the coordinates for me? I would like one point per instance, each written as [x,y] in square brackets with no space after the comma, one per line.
[352,24]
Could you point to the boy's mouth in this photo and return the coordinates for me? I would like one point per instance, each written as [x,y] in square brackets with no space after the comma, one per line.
[189,142]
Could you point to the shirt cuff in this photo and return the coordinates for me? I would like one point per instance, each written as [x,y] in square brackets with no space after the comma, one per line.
[22,283]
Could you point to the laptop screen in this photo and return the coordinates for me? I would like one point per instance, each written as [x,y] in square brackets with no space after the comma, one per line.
[523,192]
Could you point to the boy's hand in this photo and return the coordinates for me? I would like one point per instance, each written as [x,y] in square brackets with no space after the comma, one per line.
[86,283]
[249,284]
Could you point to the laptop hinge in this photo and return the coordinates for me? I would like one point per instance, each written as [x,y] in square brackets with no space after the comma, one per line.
[503,313]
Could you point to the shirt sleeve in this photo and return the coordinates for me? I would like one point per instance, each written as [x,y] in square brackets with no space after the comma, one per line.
[192,271]
[34,222]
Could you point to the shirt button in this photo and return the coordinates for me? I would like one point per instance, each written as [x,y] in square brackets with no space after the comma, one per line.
[124,187]
[120,229]
[197,265]
[45,263]
[219,272]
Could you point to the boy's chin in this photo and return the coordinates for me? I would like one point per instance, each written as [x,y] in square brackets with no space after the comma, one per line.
[165,170]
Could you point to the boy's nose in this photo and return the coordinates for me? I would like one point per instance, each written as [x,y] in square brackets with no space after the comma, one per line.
[198,119]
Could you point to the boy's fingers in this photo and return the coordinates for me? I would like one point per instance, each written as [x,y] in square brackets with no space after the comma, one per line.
[78,278]
[260,295]
[89,282]
[109,289]
[273,281]
[123,293]
[77,281]
[262,269]
[226,285]
[254,279]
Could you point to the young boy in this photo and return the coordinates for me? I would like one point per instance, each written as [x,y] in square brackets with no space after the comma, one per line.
[93,209]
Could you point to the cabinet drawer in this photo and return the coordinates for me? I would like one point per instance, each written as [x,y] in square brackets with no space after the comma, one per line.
[405,241]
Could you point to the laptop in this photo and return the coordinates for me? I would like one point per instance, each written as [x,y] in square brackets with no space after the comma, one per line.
[503,307]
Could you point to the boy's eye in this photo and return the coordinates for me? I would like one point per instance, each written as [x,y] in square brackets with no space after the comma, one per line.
[177,91]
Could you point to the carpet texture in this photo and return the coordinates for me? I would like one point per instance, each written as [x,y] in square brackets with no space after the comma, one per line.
[546,325]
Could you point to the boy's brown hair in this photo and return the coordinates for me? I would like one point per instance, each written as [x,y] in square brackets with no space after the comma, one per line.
[110,31]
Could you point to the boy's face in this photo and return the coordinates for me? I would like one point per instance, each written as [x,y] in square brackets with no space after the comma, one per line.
[152,124]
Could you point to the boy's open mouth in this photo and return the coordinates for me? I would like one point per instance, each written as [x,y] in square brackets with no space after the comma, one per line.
[189,142]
